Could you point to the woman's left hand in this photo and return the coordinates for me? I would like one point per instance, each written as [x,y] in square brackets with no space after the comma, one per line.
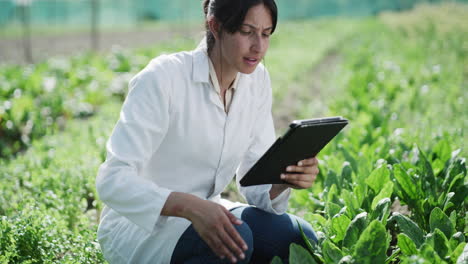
[305,173]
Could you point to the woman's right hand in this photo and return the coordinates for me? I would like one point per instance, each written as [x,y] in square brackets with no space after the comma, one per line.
[215,225]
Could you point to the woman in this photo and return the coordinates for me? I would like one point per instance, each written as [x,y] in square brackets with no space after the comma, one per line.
[190,122]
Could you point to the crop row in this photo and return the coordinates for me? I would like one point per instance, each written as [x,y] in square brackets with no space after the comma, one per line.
[48,206]
[38,99]
[394,185]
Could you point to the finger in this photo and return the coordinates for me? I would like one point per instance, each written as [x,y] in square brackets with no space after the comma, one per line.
[308,181]
[314,170]
[216,246]
[232,217]
[295,177]
[231,244]
[304,170]
[226,251]
[305,180]
[300,184]
[293,168]
[308,162]
[232,232]
[220,249]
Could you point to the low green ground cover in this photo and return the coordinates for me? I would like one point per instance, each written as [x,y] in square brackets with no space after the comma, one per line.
[48,203]
[38,99]
[392,186]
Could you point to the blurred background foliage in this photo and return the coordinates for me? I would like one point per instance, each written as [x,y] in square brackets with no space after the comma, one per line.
[128,12]
[395,178]
[28,25]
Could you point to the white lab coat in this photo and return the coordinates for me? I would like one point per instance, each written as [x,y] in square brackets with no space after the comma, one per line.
[174,135]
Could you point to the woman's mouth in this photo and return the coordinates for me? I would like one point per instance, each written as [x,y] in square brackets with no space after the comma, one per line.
[251,61]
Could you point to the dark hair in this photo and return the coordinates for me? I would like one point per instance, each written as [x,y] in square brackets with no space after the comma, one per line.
[231,14]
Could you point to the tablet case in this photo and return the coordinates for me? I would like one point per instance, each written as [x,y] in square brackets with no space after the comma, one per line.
[303,140]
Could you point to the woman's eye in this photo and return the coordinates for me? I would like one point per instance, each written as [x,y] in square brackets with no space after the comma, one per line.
[245,32]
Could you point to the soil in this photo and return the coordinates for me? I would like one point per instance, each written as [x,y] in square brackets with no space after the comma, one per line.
[44,47]
[402,209]
[288,109]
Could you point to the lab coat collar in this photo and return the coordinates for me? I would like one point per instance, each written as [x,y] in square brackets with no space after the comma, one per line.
[200,67]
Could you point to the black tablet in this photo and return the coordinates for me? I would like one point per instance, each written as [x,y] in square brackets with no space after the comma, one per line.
[303,140]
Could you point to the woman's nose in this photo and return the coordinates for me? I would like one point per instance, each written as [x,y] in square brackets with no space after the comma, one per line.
[258,44]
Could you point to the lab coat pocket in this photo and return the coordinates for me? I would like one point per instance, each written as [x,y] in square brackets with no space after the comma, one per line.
[106,236]
[127,238]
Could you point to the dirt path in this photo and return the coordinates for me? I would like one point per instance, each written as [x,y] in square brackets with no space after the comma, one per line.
[310,92]
[43,47]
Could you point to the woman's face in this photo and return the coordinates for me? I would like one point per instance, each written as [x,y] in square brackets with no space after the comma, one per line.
[243,50]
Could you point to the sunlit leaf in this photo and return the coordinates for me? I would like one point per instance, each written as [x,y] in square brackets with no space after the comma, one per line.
[339,224]
[299,255]
[405,182]
[372,244]
[441,221]
[382,210]
[410,228]
[378,178]
[331,253]
[386,192]
[354,230]
[441,244]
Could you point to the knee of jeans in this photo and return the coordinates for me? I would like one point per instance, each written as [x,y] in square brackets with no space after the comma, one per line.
[246,233]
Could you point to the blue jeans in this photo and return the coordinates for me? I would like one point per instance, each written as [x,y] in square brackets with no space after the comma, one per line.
[267,235]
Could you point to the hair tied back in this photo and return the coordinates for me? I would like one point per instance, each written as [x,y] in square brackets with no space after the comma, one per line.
[209,8]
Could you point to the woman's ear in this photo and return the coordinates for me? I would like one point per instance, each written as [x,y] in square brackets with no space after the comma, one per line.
[214,26]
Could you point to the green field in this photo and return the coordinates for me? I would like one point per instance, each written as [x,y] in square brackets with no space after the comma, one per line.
[392,187]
